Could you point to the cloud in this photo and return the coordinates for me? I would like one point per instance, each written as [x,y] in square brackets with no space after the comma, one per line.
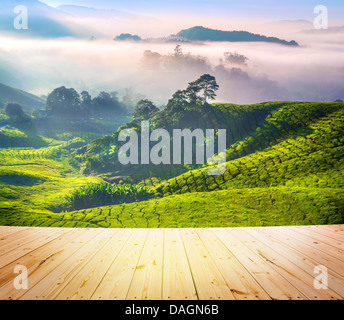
[313,71]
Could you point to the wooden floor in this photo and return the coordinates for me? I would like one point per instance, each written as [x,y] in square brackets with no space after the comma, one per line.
[172,264]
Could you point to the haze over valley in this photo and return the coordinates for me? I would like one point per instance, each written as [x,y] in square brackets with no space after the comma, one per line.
[40,59]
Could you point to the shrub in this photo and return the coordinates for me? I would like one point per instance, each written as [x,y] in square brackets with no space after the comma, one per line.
[102,194]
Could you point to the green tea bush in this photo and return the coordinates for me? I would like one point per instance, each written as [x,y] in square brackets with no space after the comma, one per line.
[102,194]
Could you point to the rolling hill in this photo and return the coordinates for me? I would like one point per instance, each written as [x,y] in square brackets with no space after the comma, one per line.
[285,167]
[27,100]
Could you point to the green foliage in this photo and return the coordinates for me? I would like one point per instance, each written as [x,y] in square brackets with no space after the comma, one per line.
[206,85]
[317,152]
[285,167]
[276,206]
[15,113]
[17,178]
[145,109]
[36,181]
[14,110]
[95,195]
[68,103]
[14,137]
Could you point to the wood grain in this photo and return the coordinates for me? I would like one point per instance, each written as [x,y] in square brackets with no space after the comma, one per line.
[255,263]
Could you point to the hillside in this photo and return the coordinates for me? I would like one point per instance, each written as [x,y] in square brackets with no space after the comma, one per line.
[285,167]
[206,34]
[46,22]
[27,100]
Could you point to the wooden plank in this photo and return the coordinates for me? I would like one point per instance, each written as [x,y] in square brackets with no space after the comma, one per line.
[299,278]
[7,240]
[30,258]
[241,282]
[37,241]
[274,284]
[337,245]
[177,279]
[269,236]
[325,231]
[335,227]
[25,240]
[147,280]
[11,228]
[42,261]
[302,236]
[83,285]
[209,282]
[49,287]
[174,264]
[322,258]
[2,228]
[4,231]
[116,282]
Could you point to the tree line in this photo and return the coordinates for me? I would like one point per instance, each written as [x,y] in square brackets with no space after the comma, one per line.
[68,103]
[194,97]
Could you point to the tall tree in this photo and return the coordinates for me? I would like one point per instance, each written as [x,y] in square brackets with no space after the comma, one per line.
[205,84]
[145,109]
[86,103]
[151,60]
[107,103]
[64,102]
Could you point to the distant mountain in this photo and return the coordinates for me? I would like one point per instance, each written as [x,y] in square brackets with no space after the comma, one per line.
[206,34]
[27,100]
[43,20]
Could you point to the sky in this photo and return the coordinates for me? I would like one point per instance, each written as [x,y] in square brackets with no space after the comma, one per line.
[256,9]
[40,62]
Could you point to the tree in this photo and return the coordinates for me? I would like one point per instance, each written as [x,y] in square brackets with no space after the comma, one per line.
[86,102]
[106,103]
[235,58]
[15,112]
[64,102]
[151,60]
[145,109]
[178,102]
[192,92]
[13,109]
[128,36]
[206,84]
[178,51]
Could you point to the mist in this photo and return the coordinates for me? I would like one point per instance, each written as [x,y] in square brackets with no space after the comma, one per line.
[311,72]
